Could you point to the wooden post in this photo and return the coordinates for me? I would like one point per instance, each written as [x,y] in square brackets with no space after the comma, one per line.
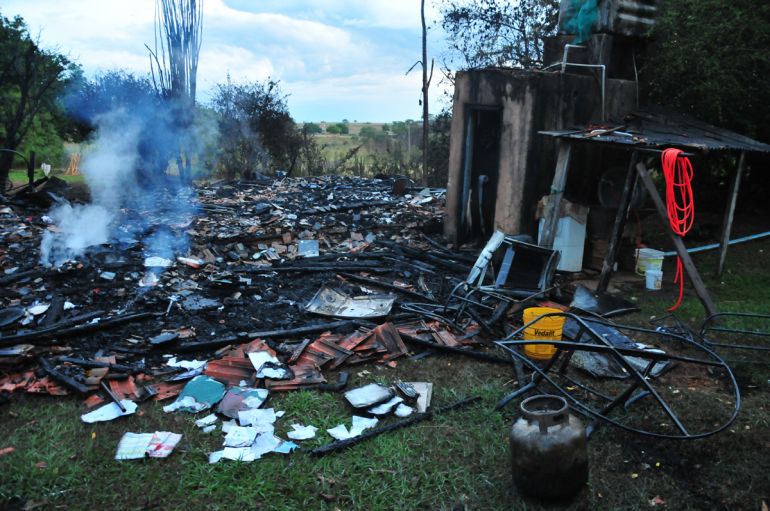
[551,215]
[727,222]
[31,168]
[681,250]
[620,224]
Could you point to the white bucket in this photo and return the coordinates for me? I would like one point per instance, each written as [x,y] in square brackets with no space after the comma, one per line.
[648,258]
[654,279]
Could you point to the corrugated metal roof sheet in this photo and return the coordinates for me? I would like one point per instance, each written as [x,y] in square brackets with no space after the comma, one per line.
[657,128]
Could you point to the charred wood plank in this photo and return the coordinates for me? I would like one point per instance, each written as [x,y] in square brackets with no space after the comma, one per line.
[479,355]
[64,330]
[13,277]
[96,364]
[425,256]
[320,268]
[266,334]
[387,285]
[62,378]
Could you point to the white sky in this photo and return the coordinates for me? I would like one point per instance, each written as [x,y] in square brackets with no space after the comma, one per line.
[337,59]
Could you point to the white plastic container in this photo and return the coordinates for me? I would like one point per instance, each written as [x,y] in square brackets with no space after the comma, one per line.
[570,240]
[648,258]
[654,279]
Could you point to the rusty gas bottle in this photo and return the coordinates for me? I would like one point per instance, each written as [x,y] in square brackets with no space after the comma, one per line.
[548,449]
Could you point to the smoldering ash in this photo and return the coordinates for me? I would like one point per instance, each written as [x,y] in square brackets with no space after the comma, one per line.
[132,200]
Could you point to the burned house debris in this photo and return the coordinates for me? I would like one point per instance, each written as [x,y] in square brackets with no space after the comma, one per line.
[211,300]
[240,314]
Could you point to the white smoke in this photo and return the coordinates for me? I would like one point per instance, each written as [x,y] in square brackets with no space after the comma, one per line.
[77,228]
[110,171]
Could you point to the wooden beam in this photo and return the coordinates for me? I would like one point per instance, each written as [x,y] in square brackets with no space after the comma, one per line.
[681,250]
[551,216]
[727,222]
[620,224]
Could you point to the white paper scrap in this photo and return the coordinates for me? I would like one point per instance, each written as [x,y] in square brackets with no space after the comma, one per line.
[265,443]
[339,432]
[162,443]
[260,358]
[109,412]
[301,432]
[206,421]
[359,425]
[257,417]
[403,410]
[187,402]
[186,364]
[240,437]
[133,446]
[286,447]
[238,454]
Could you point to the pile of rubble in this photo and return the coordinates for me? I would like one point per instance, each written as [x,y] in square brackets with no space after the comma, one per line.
[218,297]
[241,297]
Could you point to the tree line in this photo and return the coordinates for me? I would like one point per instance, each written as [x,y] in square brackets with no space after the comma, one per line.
[706,57]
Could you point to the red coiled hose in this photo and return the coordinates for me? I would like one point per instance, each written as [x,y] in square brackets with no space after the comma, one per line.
[679,203]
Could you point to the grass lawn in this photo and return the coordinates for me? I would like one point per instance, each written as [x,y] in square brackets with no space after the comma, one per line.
[19,177]
[459,460]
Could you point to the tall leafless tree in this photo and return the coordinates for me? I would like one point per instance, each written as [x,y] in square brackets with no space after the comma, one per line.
[426,78]
[174,64]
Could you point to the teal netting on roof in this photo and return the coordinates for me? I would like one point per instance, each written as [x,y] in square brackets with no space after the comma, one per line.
[581,15]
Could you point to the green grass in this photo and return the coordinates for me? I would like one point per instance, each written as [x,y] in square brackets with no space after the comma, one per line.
[20,177]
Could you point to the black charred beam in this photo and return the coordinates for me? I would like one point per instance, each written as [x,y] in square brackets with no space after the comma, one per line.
[62,330]
[479,355]
[93,364]
[387,285]
[62,378]
[424,256]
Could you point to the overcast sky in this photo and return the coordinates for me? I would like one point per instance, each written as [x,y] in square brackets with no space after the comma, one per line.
[337,59]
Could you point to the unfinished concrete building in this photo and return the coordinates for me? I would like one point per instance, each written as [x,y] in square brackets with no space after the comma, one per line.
[499,166]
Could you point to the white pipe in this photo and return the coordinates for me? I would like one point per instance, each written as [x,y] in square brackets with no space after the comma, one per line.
[565,63]
[712,246]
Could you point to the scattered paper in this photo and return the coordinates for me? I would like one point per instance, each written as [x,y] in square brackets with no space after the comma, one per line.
[403,410]
[262,419]
[386,407]
[157,262]
[359,425]
[37,310]
[133,446]
[286,447]
[109,412]
[300,432]
[162,443]
[200,393]
[239,436]
[206,421]
[265,443]
[186,364]
[425,391]
[268,366]
[240,399]
[368,395]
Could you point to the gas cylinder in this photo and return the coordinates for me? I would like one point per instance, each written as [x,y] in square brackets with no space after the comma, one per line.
[548,449]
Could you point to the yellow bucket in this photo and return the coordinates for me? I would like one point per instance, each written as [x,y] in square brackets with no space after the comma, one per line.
[548,329]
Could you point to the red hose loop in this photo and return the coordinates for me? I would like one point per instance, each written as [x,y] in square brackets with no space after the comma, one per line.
[680,205]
